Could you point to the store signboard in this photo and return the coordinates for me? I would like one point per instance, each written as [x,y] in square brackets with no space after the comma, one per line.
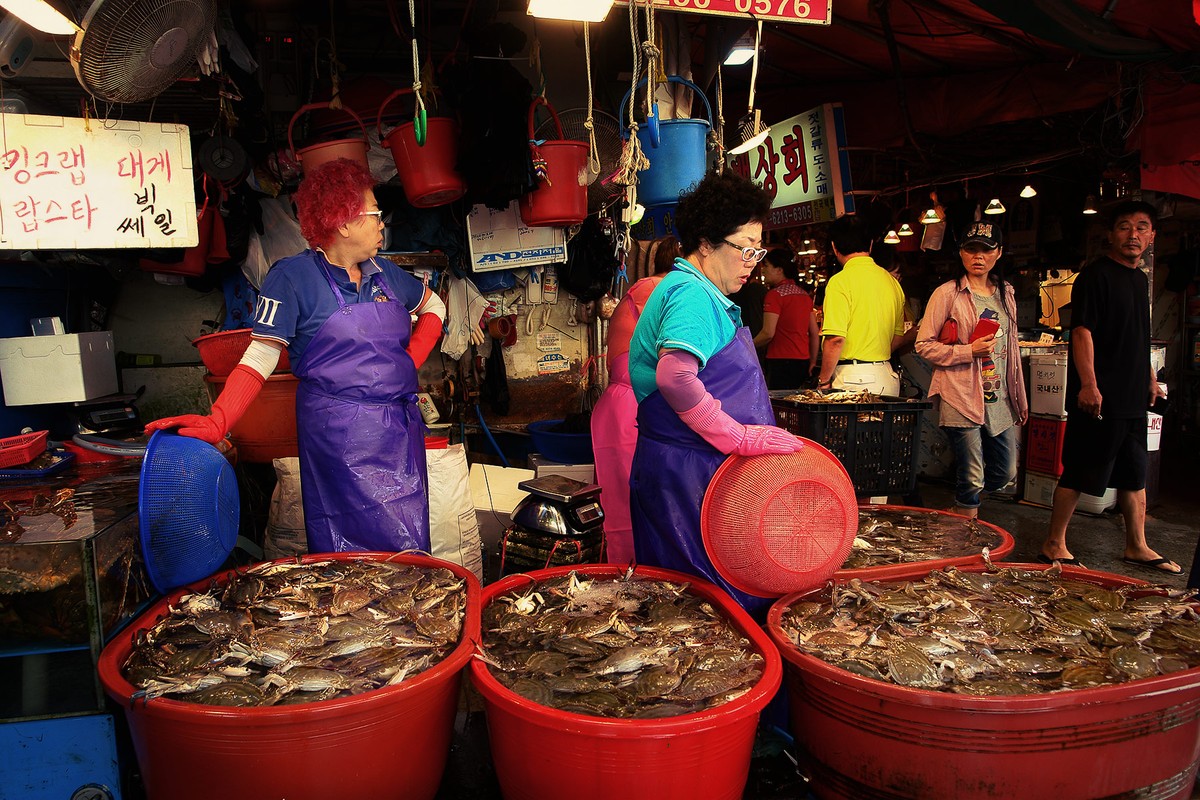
[803,167]
[811,12]
[71,183]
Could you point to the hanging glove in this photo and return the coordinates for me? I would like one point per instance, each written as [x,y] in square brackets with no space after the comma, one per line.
[730,436]
[242,386]
[424,336]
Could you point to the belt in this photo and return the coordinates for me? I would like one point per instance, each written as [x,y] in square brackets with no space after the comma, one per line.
[858,361]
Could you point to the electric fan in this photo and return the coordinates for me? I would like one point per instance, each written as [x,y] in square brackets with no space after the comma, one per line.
[128,51]
[601,189]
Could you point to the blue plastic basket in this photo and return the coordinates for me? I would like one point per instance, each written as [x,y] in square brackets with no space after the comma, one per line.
[565,448]
[188,510]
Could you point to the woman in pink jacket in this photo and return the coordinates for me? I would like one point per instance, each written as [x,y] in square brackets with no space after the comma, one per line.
[969,335]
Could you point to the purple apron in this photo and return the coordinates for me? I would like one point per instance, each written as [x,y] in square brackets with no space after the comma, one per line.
[361,437]
[673,465]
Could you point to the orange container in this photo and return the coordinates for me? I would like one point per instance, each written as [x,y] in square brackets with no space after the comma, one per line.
[386,744]
[862,739]
[315,155]
[268,428]
[540,752]
[885,572]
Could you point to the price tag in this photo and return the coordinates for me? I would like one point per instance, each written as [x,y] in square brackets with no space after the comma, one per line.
[1046,338]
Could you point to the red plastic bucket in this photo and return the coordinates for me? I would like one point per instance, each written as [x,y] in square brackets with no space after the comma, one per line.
[561,199]
[268,428]
[887,572]
[315,155]
[540,752]
[388,743]
[862,739]
[425,163]
[437,442]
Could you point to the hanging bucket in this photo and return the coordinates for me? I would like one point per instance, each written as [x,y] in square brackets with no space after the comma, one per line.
[315,155]
[676,148]
[425,151]
[561,164]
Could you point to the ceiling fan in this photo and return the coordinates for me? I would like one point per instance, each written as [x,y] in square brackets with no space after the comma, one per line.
[127,51]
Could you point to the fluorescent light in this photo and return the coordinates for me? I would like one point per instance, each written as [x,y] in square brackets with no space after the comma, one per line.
[995,207]
[891,238]
[1089,205]
[575,10]
[40,15]
[905,230]
[1029,191]
[751,143]
[742,51]
[930,217]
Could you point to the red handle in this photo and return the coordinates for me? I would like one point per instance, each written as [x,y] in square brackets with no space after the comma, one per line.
[390,98]
[316,107]
[541,100]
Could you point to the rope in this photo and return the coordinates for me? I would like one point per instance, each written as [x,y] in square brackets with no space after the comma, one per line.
[412,21]
[632,160]
[719,138]
[589,124]
[335,90]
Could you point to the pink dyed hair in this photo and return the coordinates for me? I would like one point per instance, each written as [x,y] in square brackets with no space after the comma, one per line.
[328,197]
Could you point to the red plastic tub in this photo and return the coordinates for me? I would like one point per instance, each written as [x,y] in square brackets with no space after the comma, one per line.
[268,428]
[540,752]
[862,739]
[887,572]
[387,743]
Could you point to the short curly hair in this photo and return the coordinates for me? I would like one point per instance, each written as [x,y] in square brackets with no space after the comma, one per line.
[328,197]
[716,207]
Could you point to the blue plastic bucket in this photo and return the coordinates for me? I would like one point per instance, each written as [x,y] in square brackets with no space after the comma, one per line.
[676,148]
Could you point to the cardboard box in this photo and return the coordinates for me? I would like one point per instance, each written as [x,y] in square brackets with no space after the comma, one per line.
[1048,384]
[1039,490]
[543,466]
[57,369]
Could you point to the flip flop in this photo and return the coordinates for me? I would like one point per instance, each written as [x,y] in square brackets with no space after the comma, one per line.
[1156,564]
[1045,559]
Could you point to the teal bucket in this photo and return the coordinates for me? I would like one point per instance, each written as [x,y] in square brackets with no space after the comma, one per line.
[676,148]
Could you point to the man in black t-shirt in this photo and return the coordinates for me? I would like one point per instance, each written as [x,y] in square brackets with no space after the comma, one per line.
[1110,385]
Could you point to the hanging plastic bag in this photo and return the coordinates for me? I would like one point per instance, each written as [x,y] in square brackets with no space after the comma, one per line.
[453,524]
[285,536]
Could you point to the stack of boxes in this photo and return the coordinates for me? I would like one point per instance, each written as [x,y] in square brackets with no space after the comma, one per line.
[1044,435]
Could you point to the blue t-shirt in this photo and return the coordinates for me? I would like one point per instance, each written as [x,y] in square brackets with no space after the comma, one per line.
[686,312]
[296,300]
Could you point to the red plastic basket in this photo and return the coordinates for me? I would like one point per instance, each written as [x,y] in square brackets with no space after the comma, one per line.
[17,450]
[222,351]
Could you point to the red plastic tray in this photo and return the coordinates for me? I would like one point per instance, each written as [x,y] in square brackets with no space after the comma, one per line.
[17,450]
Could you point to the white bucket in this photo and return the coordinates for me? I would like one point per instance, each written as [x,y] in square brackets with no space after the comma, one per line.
[1153,431]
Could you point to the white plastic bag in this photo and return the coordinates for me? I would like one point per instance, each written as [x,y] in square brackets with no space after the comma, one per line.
[285,536]
[453,525]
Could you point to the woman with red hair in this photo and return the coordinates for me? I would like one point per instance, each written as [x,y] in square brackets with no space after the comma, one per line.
[346,321]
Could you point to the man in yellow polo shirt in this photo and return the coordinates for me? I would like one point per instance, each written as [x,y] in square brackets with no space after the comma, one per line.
[864,316]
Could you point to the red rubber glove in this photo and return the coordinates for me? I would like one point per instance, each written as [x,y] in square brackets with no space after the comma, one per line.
[242,386]
[730,436]
[425,335]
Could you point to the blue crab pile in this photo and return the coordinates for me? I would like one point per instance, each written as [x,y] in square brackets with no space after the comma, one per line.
[895,536]
[283,633]
[617,647]
[1004,631]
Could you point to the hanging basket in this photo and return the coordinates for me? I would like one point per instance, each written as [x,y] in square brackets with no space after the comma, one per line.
[676,148]
[425,151]
[315,155]
[561,166]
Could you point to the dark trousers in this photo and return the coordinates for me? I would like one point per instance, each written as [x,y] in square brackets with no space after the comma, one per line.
[787,373]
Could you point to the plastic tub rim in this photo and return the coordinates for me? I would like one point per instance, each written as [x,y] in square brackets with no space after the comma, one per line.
[121,690]
[751,702]
[999,704]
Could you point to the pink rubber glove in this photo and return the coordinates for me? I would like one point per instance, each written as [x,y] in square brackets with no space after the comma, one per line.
[730,436]
[424,336]
[241,388]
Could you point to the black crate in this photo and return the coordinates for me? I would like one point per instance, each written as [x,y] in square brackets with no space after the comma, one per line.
[878,443]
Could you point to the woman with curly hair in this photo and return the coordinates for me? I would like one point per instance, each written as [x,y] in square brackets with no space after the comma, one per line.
[345,319]
[700,390]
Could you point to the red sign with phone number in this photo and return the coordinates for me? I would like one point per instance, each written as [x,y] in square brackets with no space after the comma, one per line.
[812,12]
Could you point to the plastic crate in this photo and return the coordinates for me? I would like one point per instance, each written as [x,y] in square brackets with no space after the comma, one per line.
[17,450]
[878,443]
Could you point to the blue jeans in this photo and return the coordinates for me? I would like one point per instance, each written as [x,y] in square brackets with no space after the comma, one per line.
[983,462]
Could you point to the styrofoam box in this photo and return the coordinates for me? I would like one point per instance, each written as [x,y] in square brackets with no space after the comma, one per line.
[1039,490]
[1048,384]
[543,466]
[57,369]
[1153,431]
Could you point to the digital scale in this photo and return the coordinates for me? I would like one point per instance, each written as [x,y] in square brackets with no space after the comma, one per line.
[559,523]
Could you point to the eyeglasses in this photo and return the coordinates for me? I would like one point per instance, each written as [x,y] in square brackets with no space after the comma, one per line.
[749,254]
[377,214]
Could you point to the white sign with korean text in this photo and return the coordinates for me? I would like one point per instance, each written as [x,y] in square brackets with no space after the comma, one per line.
[801,165]
[71,183]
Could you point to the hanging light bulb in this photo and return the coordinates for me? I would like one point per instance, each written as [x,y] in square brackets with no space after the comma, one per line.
[750,127]
[994,206]
[905,230]
[930,217]
[891,238]
[1089,205]
[1029,191]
